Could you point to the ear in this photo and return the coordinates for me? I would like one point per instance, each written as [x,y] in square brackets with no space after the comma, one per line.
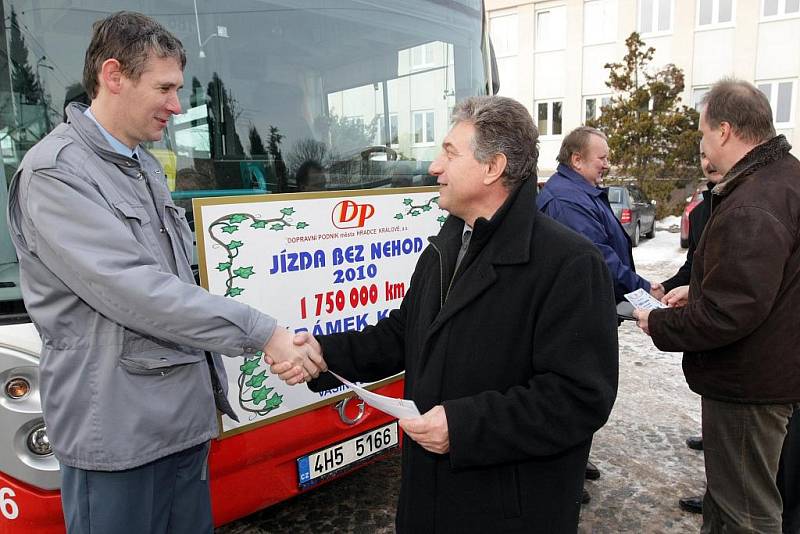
[575,160]
[725,132]
[496,168]
[111,76]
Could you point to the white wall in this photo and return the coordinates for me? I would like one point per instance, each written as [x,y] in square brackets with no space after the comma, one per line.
[747,47]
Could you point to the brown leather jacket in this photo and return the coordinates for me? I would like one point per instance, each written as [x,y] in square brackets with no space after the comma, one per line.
[740,332]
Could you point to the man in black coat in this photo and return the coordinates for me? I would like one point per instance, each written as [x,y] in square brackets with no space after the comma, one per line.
[677,287]
[508,340]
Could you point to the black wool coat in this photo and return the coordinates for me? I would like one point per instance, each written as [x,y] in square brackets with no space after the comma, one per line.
[698,218]
[520,347]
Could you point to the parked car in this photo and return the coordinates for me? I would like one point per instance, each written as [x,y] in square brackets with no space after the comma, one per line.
[691,203]
[635,211]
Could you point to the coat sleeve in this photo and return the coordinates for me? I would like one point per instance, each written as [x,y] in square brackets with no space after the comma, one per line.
[71,228]
[574,382]
[374,353]
[682,277]
[697,219]
[743,262]
[585,223]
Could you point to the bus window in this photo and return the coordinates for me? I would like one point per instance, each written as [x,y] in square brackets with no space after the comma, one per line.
[279,96]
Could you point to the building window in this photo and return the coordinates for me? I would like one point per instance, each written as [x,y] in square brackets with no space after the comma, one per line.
[780,8]
[781,96]
[697,96]
[599,21]
[592,107]
[548,117]
[422,56]
[504,30]
[655,16]
[424,127]
[714,12]
[380,137]
[551,29]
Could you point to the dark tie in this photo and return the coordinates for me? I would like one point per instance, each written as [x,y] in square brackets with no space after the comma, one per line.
[464,246]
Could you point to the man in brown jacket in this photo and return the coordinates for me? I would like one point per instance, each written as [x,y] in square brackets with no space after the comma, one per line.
[739,330]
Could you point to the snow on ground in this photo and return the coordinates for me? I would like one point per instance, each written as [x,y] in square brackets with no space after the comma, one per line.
[663,251]
[641,453]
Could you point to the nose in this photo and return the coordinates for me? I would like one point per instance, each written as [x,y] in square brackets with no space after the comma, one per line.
[174,104]
[436,168]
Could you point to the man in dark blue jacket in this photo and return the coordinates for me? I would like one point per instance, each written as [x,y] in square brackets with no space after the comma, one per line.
[573,197]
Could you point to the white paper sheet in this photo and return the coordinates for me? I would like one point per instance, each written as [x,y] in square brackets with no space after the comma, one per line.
[643,300]
[400,408]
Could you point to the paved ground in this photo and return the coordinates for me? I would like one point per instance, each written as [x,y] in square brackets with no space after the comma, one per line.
[641,452]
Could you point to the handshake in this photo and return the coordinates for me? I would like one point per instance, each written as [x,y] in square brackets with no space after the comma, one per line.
[298,358]
[294,359]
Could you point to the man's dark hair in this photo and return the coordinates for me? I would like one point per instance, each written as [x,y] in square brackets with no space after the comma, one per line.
[742,106]
[576,142]
[130,38]
[502,126]
[304,174]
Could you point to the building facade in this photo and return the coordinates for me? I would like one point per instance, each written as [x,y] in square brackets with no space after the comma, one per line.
[551,54]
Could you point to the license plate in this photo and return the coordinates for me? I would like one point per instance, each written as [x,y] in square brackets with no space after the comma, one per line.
[326,462]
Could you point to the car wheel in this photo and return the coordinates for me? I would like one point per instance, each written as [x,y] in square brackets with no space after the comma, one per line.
[652,233]
[636,236]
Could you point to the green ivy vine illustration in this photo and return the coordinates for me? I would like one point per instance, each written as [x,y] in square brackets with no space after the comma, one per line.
[254,396]
[415,210]
[230,224]
[252,391]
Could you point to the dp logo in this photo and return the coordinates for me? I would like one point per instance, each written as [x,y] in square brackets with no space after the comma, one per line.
[348,214]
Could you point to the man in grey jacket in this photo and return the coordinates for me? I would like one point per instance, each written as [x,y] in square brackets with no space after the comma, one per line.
[129,382]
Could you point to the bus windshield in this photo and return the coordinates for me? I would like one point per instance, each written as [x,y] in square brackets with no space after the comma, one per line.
[279,95]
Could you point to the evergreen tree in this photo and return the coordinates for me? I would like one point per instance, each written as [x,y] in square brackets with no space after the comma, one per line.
[5,102]
[650,135]
[222,116]
[24,79]
[274,150]
[196,98]
[256,144]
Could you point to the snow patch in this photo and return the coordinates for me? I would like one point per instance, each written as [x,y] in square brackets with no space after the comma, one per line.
[660,257]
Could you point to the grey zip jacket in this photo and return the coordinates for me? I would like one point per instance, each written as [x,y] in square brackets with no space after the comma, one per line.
[106,277]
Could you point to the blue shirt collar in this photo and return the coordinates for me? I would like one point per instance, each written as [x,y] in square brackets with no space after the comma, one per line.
[567,172]
[118,146]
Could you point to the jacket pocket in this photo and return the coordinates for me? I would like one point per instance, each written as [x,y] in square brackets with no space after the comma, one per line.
[138,222]
[181,225]
[133,212]
[149,366]
[142,355]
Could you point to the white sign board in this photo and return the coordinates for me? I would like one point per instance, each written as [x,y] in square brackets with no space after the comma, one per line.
[321,262]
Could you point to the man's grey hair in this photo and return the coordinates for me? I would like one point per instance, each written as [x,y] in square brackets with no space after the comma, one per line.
[741,105]
[502,126]
[130,38]
[576,142]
